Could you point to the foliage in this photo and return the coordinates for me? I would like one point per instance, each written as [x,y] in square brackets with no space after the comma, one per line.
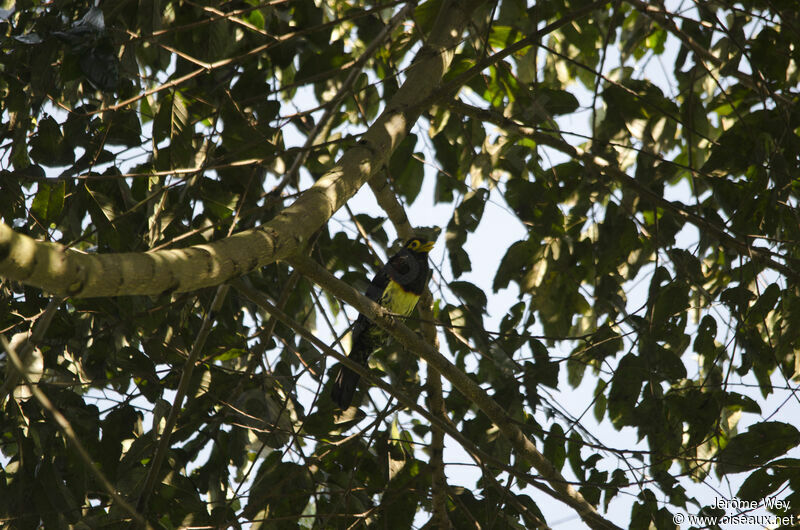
[658,265]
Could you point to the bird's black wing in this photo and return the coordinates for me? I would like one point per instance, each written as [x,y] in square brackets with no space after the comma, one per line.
[374,293]
[364,341]
[402,268]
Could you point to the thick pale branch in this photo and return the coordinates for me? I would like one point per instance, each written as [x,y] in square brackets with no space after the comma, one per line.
[461,381]
[62,271]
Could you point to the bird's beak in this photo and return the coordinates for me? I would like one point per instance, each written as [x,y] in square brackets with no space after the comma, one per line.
[427,247]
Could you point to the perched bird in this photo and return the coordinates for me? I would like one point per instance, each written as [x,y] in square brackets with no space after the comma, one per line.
[397,287]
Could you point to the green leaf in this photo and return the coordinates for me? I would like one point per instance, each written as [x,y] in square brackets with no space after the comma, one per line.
[574,447]
[764,304]
[625,389]
[704,342]
[518,259]
[603,343]
[761,443]
[425,14]
[473,296]
[737,298]
[49,201]
[771,51]
[741,402]
[406,169]
[48,146]
[454,241]
[268,498]
[555,446]
[218,199]
[662,361]
[467,215]
[672,300]
[513,317]
[656,40]
[544,370]
[124,128]
[555,101]
[762,482]
[503,36]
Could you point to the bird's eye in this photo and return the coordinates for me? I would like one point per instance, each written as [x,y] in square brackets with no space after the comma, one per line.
[414,244]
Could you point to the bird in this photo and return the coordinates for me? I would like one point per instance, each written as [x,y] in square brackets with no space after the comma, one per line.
[396,287]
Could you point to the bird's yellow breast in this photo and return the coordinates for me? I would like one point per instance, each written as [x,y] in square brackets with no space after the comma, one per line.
[398,300]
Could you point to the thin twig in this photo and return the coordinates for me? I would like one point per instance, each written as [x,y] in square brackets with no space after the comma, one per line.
[461,381]
[183,388]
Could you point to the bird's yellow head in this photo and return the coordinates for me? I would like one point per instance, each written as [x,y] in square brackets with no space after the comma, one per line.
[419,245]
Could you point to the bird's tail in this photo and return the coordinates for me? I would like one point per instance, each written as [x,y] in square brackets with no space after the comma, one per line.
[344,386]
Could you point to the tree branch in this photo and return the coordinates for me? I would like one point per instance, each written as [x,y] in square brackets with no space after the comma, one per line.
[324,122]
[481,458]
[755,82]
[262,301]
[449,90]
[389,202]
[524,446]
[439,483]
